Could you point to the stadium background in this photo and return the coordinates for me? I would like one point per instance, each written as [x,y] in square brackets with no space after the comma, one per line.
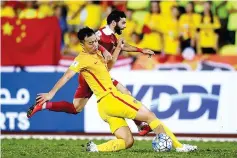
[190,83]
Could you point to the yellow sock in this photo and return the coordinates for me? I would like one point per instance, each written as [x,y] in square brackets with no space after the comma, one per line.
[176,143]
[155,123]
[112,145]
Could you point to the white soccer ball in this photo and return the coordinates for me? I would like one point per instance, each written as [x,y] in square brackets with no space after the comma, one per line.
[162,143]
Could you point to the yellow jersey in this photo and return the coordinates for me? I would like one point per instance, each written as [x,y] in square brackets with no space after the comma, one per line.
[130,28]
[153,40]
[73,7]
[171,36]
[188,24]
[46,9]
[93,18]
[207,33]
[166,6]
[94,69]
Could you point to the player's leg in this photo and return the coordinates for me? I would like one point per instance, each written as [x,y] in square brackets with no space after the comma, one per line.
[61,106]
[156,125]
[125,134]
[124,141]
[122,132]
[121,88]
[126,106]
[144,114]
[81,97]
[120,129]
[143,127]
[79,103]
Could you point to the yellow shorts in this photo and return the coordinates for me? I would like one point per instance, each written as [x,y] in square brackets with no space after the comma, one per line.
[115,107]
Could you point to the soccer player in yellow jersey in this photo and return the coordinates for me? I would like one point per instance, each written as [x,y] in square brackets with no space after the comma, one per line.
[91,64]
[107,38]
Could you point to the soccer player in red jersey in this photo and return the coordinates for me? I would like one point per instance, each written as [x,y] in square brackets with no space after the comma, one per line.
[116,23]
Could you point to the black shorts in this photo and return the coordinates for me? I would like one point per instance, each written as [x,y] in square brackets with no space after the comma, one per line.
[185,44]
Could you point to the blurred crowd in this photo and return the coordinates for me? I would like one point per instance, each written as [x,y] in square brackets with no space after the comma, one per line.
[169,27]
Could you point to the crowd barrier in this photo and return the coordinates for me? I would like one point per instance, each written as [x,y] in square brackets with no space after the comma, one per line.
[187,102]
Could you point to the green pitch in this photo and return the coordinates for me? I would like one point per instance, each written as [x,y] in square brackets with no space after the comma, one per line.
[72,149]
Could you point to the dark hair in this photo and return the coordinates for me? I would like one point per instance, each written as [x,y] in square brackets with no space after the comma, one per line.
[64,11]
[85,32]
[96,2]
[116,16]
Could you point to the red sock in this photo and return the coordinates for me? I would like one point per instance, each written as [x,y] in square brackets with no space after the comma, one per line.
[138,123]
[61,106]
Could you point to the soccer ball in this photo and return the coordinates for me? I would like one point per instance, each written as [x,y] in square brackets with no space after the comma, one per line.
[162,143]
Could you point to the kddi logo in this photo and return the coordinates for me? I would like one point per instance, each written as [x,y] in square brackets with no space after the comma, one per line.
[192,102]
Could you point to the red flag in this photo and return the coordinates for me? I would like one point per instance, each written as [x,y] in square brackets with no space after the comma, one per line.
[30,41]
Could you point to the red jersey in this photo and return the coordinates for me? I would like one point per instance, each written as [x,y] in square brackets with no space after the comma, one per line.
[107,38]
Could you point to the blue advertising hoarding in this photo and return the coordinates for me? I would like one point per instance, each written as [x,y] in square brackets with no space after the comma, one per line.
[18,93]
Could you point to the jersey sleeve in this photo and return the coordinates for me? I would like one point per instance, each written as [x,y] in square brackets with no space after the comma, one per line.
[77,65]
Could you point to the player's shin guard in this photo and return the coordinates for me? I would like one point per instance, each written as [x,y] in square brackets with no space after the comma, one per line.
[155,123]
[112,145]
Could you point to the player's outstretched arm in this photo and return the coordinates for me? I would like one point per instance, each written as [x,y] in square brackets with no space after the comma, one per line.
[116,52]
[129,48]
[43,97]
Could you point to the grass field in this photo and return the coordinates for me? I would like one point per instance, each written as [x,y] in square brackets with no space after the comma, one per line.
[32,148]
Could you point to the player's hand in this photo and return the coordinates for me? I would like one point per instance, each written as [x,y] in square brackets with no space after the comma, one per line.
[107,56]
[148,52]
[43,97]
[120,43]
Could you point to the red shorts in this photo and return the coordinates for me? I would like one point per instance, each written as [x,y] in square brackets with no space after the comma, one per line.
[83,90]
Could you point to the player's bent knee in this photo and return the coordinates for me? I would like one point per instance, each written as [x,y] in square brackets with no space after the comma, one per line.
[79,104]
[129,142]
[78,107]
[125,134]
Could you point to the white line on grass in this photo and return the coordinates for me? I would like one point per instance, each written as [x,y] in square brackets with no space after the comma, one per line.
[81,137]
